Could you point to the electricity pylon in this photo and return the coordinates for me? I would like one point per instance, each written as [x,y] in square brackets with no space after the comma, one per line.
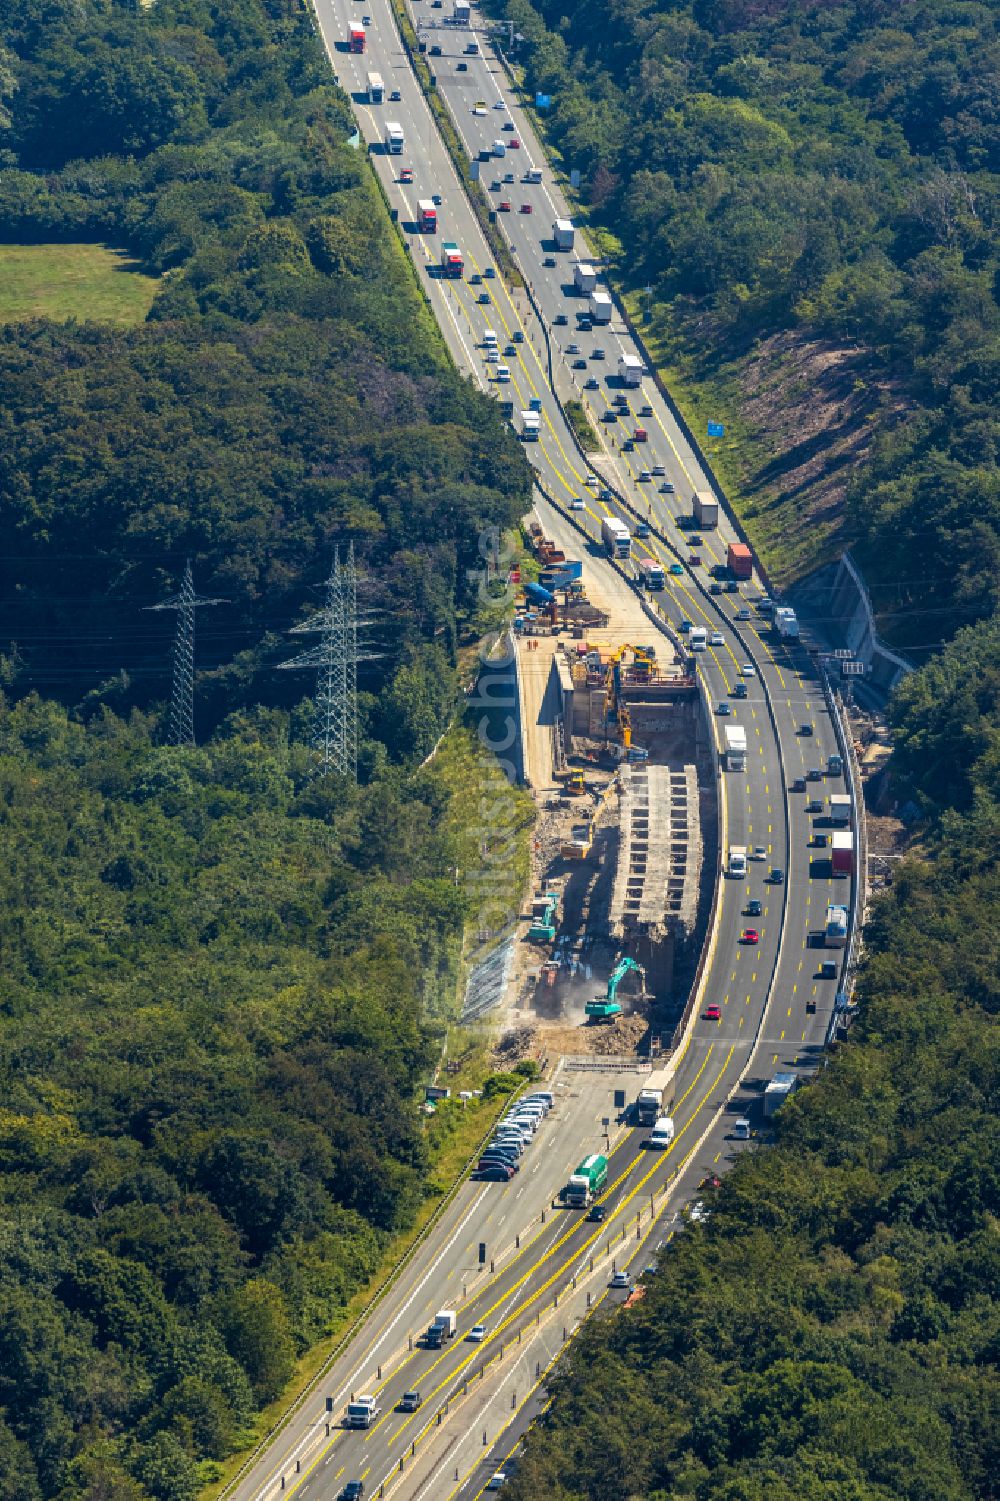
[335,657]
[185,602]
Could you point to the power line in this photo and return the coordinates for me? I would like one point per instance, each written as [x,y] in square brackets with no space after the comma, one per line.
[185,602]
[335,657]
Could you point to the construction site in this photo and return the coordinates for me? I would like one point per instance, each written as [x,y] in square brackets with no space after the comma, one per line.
[616,751]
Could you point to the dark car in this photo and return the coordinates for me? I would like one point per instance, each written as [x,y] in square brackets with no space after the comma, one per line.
[591,384]
[559,320]
[354,1490]
[753,908]
[777,875]
[579,364]
[497,1159]
[596,1213]
[410,1402]
[435,52]
[497,1172]
[805,729]
[549,262]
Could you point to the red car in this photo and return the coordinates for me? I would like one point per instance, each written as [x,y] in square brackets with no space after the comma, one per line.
[503,207]
[406,174]
[750,935]
[526,208]
[713,1013]
[513,144]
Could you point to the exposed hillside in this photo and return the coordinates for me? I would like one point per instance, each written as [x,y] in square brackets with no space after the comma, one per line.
[826,172]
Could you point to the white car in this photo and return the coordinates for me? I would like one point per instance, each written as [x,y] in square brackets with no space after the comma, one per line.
[759,852]
[592,482]
[479,109]
[499,104]
[748,670]
[659,470]
[717,639]
[496,1482]
[477,1333]
[620,1279]
[576,504]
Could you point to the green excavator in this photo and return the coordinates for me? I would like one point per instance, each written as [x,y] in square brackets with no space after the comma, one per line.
[606,1007]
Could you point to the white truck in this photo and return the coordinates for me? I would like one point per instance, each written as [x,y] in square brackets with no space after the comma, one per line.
[651,1096]
[698,638]
[362,1412]
[394,138]
[445,1326]
[531,423]
[736,748]
[777,1092]
[630,369]
[704,508]
[564,234]
[737,859]
[835,930]
[840,810]
[661,1135]
[601,307]
[462,12]
[616,538]
[786,623]
[584,278]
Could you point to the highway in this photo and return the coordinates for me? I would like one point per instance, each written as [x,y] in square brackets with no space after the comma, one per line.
[774,1008]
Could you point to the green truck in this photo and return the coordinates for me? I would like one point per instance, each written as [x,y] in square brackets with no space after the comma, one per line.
[588,1180]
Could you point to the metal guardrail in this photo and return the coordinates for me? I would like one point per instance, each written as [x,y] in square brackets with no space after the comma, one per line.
[859,889]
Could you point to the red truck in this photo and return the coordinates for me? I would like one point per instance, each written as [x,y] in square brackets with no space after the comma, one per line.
[842,853]
[739,560]
[356,41]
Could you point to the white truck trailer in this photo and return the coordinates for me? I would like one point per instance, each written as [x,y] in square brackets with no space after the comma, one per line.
[530,426]
[737,859]
[564,234]
[777,1092]
[584,278]
[631,369]
[786,623]
[835,930]
[601,307]
[704,508]
[736,748]
[651,1096]
[616,538]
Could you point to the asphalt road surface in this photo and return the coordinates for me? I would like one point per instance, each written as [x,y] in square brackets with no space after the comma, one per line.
[774,1008]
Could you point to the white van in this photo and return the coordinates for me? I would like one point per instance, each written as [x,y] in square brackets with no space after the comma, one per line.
[533,174]
[741,1129]
[489,338]
[499,148]
[662,1134]
[503,373]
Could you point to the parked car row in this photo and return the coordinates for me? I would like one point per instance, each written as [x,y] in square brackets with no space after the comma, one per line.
[500,1159]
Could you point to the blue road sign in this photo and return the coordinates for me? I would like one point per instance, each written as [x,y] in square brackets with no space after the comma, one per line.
[543,101]
[716,430]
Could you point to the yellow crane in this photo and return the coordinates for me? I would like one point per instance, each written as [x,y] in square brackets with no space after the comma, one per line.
[616,708]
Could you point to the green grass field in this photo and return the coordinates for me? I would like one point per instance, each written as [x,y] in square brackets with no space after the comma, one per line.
[86,282]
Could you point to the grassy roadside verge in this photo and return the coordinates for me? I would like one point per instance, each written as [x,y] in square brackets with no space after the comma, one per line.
[476,194]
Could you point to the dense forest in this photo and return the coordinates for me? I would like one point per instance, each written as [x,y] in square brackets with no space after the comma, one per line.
[831,1329]
[224,979]
[830,168]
